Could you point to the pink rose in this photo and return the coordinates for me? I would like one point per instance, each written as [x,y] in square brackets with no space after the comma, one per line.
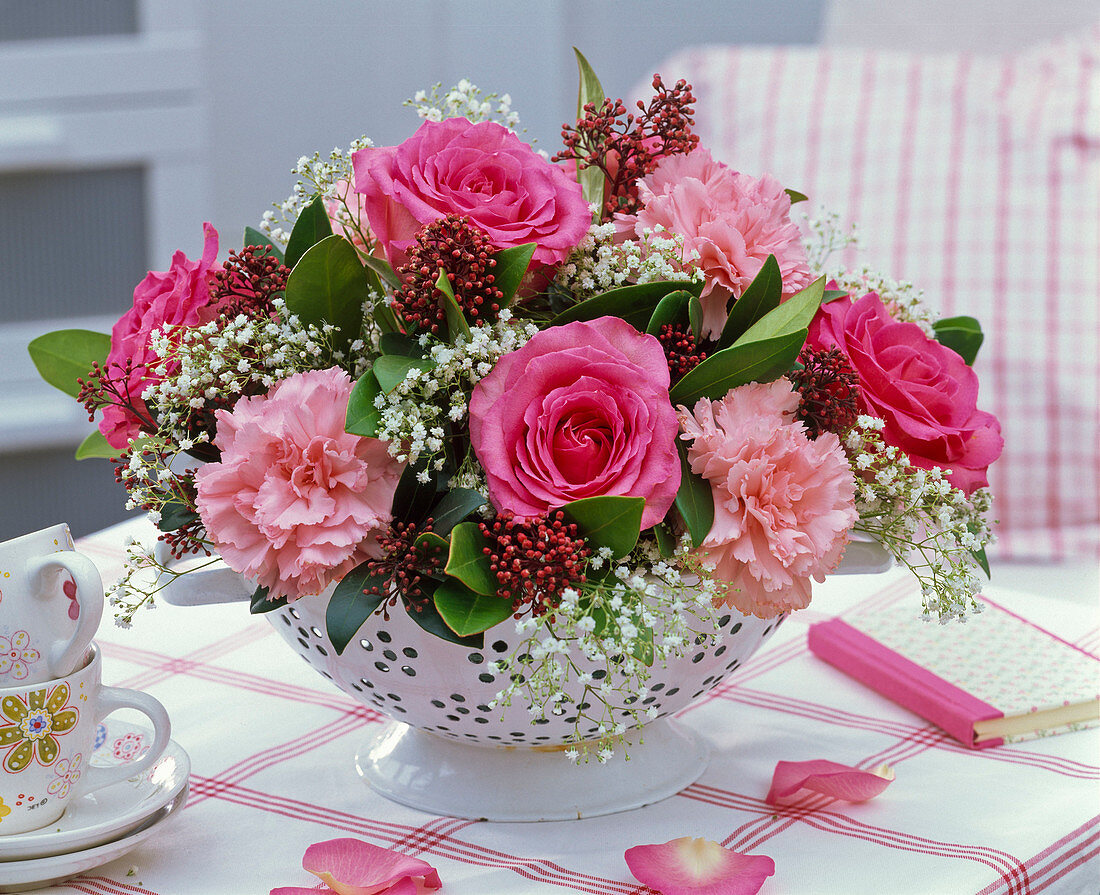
[581,410]
[482,171]
[731,221]
[295,501]
[924,391]
[177,296]
[783,503]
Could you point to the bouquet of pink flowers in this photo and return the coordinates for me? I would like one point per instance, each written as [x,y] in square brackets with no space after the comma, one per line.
[599,391]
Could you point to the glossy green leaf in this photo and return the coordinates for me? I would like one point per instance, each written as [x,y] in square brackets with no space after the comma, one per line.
[349,606]
[385,317]
[391,369]
[95,447]
[589,90]
[635,304]
[401,344]
[670,310]
[413,499]
[467,612]
[175,514]
[381,267]
[796,196]
[259,603]
[612,521]
[453,507]
[789,317]
[362,417]
[833,295]
[511,266]
[65,355]
[963,335]
[761,296]
[328,285]
[643,649]
[666,540]
[253,237]
[737,365]
[431,621]
[467,561]
[311,227]
[456,320]
[694,500]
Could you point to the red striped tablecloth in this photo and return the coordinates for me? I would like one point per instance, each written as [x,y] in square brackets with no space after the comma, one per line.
[272,746]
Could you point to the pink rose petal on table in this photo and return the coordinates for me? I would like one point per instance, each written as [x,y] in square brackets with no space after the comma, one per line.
[353,867]
[688,866]
[829,778]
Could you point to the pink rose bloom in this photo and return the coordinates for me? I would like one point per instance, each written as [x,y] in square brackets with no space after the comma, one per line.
[783,503]
[731,220]
[482,171]
[581,410]
[295,501]
[177,296]
[924,391]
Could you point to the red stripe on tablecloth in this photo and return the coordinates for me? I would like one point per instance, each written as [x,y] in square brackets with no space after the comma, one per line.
[100,885]
[729,85]
[951,187]
[224,646]
[769,123]
[859,153]
[812,142]
[1061,852]
[1049,471]
[902,195]
[1069,868]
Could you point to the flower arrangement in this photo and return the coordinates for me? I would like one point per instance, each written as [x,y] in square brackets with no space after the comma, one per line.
[600,393]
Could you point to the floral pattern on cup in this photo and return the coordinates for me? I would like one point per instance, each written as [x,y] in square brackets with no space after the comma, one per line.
[4,810]
[69,587]
[68,772]
[17,655]
[35,725]
[129,747]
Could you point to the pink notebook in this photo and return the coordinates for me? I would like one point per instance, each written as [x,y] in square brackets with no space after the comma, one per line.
[998,678]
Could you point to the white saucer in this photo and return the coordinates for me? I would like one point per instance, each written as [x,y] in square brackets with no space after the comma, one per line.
[21,876]
[113,811]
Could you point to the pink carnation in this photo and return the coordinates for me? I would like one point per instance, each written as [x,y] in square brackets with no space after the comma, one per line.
[177,296]
[783,504]
[295,501]
[732,221]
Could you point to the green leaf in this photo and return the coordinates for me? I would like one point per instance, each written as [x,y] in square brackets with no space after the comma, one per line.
[671,309]
[467,562]
[399,343]
[982,560]
[694,500]
[95,445]
[311,227]
[260,604]
[589,90]
[382,268]
[796,196]
[412,498]
[833,295]
[175,514]
[737,365]
[963,335]
[643,646]
[65,355]
[466,612]
[391,369]
[666,540]
[253,237]
[634,304]
[349,606]
[385,317]
[511,265]
[327,284]
[761,296]
[789,317]
[362,417]
[612,521]
[431,621]
[695,317]
[456,321]
[453,507]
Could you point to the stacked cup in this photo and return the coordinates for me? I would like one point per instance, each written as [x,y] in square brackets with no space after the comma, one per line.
[52,699]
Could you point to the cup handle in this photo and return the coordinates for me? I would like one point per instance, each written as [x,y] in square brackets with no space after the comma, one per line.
[111,699]
[62,658]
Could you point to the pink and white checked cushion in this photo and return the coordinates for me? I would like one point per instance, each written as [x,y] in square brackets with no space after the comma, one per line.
[978,179]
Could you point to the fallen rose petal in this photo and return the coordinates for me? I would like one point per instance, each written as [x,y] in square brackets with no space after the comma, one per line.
[829,778]
[353,867]
[688,866]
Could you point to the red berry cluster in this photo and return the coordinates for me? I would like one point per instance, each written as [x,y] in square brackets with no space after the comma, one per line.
[248,281]
[627,148]
[534,561]
[109,386]
[465,254]
[830,391]
[405,565]
[681,350]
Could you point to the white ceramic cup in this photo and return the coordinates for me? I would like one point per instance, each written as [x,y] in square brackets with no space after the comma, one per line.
[51,603]
[47,735]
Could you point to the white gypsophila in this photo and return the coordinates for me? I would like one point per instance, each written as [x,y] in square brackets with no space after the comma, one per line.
[593,655]
[903,300]
[932,528]
[414,415]
[825,237]
[464,100]
[598,263]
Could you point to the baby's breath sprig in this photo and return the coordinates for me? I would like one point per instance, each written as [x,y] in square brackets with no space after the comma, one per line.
[145,574]
[932,528]
[464,100]
[590,658]
[903,300]
[825,237]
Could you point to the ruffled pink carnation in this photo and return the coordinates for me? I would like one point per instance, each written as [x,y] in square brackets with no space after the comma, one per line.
[732,221]
[177,296]
[295,501]
[783,504]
